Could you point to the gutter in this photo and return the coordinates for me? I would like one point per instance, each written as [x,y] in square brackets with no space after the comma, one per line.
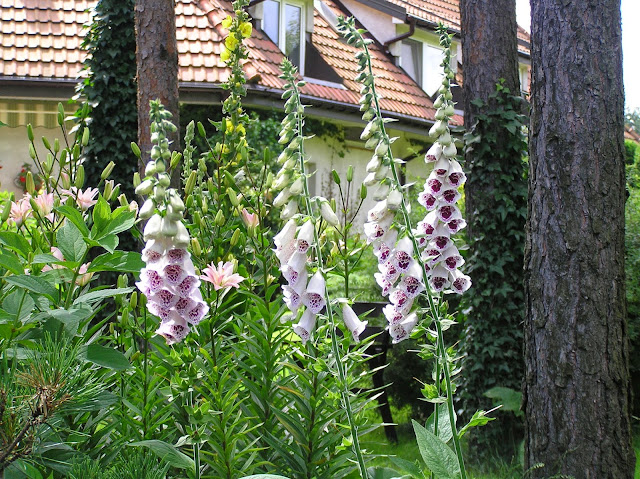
[412,28]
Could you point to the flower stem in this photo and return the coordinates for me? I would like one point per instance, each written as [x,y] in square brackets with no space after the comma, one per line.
[335,346]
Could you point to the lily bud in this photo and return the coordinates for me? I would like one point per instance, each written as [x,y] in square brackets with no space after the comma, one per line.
[107,170]
[195,247]
[191,183]
[79,177]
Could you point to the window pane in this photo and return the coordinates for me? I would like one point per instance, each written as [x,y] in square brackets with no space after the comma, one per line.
[411,60]
[271,19]
[293,19]
[432,69]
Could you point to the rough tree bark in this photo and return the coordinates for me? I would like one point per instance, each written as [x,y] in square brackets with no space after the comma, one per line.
[157,67]
[577,379]
[489,54]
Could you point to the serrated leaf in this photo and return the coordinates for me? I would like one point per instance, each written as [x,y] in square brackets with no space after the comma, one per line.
[478,419]
[75,217]
[444,424]
[438,457]
[101,294]
[11,262]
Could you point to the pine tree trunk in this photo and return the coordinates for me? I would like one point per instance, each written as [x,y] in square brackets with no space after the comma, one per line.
[577,378]
[157,67]
[493,332]
[489,50]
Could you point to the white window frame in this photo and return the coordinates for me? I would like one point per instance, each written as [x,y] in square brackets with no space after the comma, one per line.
[282,37]
[427,40]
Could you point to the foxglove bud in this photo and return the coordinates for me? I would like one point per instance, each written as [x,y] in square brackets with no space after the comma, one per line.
[328,214]
[394,200]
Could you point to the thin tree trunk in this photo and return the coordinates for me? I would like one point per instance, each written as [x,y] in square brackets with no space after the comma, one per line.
[489,54]
[157,67]
[577,378]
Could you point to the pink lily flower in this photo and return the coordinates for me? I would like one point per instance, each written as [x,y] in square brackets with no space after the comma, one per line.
[222,276]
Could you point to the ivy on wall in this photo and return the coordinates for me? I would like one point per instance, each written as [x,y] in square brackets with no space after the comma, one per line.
[110,91]
[493,332]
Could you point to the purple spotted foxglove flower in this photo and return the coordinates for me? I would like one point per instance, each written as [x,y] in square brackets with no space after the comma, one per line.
[305,326]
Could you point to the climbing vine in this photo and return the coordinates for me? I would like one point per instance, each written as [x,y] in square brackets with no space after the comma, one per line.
[496,147]
[110,91]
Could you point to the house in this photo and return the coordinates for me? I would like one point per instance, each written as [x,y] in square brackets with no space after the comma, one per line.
[41,58]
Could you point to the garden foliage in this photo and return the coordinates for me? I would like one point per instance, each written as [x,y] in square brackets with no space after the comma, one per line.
[228,358]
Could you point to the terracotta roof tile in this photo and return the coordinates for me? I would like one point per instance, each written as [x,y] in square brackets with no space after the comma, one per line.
[42,38]
[448,12]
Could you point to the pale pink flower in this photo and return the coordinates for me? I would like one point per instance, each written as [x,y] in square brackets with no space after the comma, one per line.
[250,219]
[45,205]
[222,276]
[83,277]
[20,211]
[84,199]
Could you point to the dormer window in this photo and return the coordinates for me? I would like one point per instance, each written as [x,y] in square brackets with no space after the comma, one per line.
[420,56]
[283,21]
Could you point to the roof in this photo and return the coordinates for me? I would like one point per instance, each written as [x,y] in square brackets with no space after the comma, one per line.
[448,12]
[41,40]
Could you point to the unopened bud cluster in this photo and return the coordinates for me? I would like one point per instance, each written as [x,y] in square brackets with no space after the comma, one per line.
[169,279]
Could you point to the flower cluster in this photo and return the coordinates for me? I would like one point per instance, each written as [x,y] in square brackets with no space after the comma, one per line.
[438,251]
[169,280]
[294,243]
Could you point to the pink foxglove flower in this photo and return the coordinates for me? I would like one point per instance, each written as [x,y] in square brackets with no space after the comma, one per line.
[222,276]
[352,322]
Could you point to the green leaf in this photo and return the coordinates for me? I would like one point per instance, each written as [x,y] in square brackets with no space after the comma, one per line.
[16,242]
[101,217]
[122,261]
[168,453]
[509,398]
[109,242]
[407,466]
[75,217]
[101,294]
[385,473]
[264,476]
[438,457]
[107,357]
[478,419]
[71,242]
[444,424]
[11,263]
[18,304]
[34,284]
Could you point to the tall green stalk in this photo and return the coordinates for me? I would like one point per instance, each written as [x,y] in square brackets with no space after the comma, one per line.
[383,148]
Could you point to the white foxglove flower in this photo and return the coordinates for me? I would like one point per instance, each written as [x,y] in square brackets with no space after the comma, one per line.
[374,164]
[282,198]
[290,210]
[297,187]
[451,258]
[305,326]
[381,192]
[305,237]
[460,282]
[286,235]
[439,278]
[314,296]
[173,330]
[394,200]
[434,153]
[352,322]
[401,330]
[378,212]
